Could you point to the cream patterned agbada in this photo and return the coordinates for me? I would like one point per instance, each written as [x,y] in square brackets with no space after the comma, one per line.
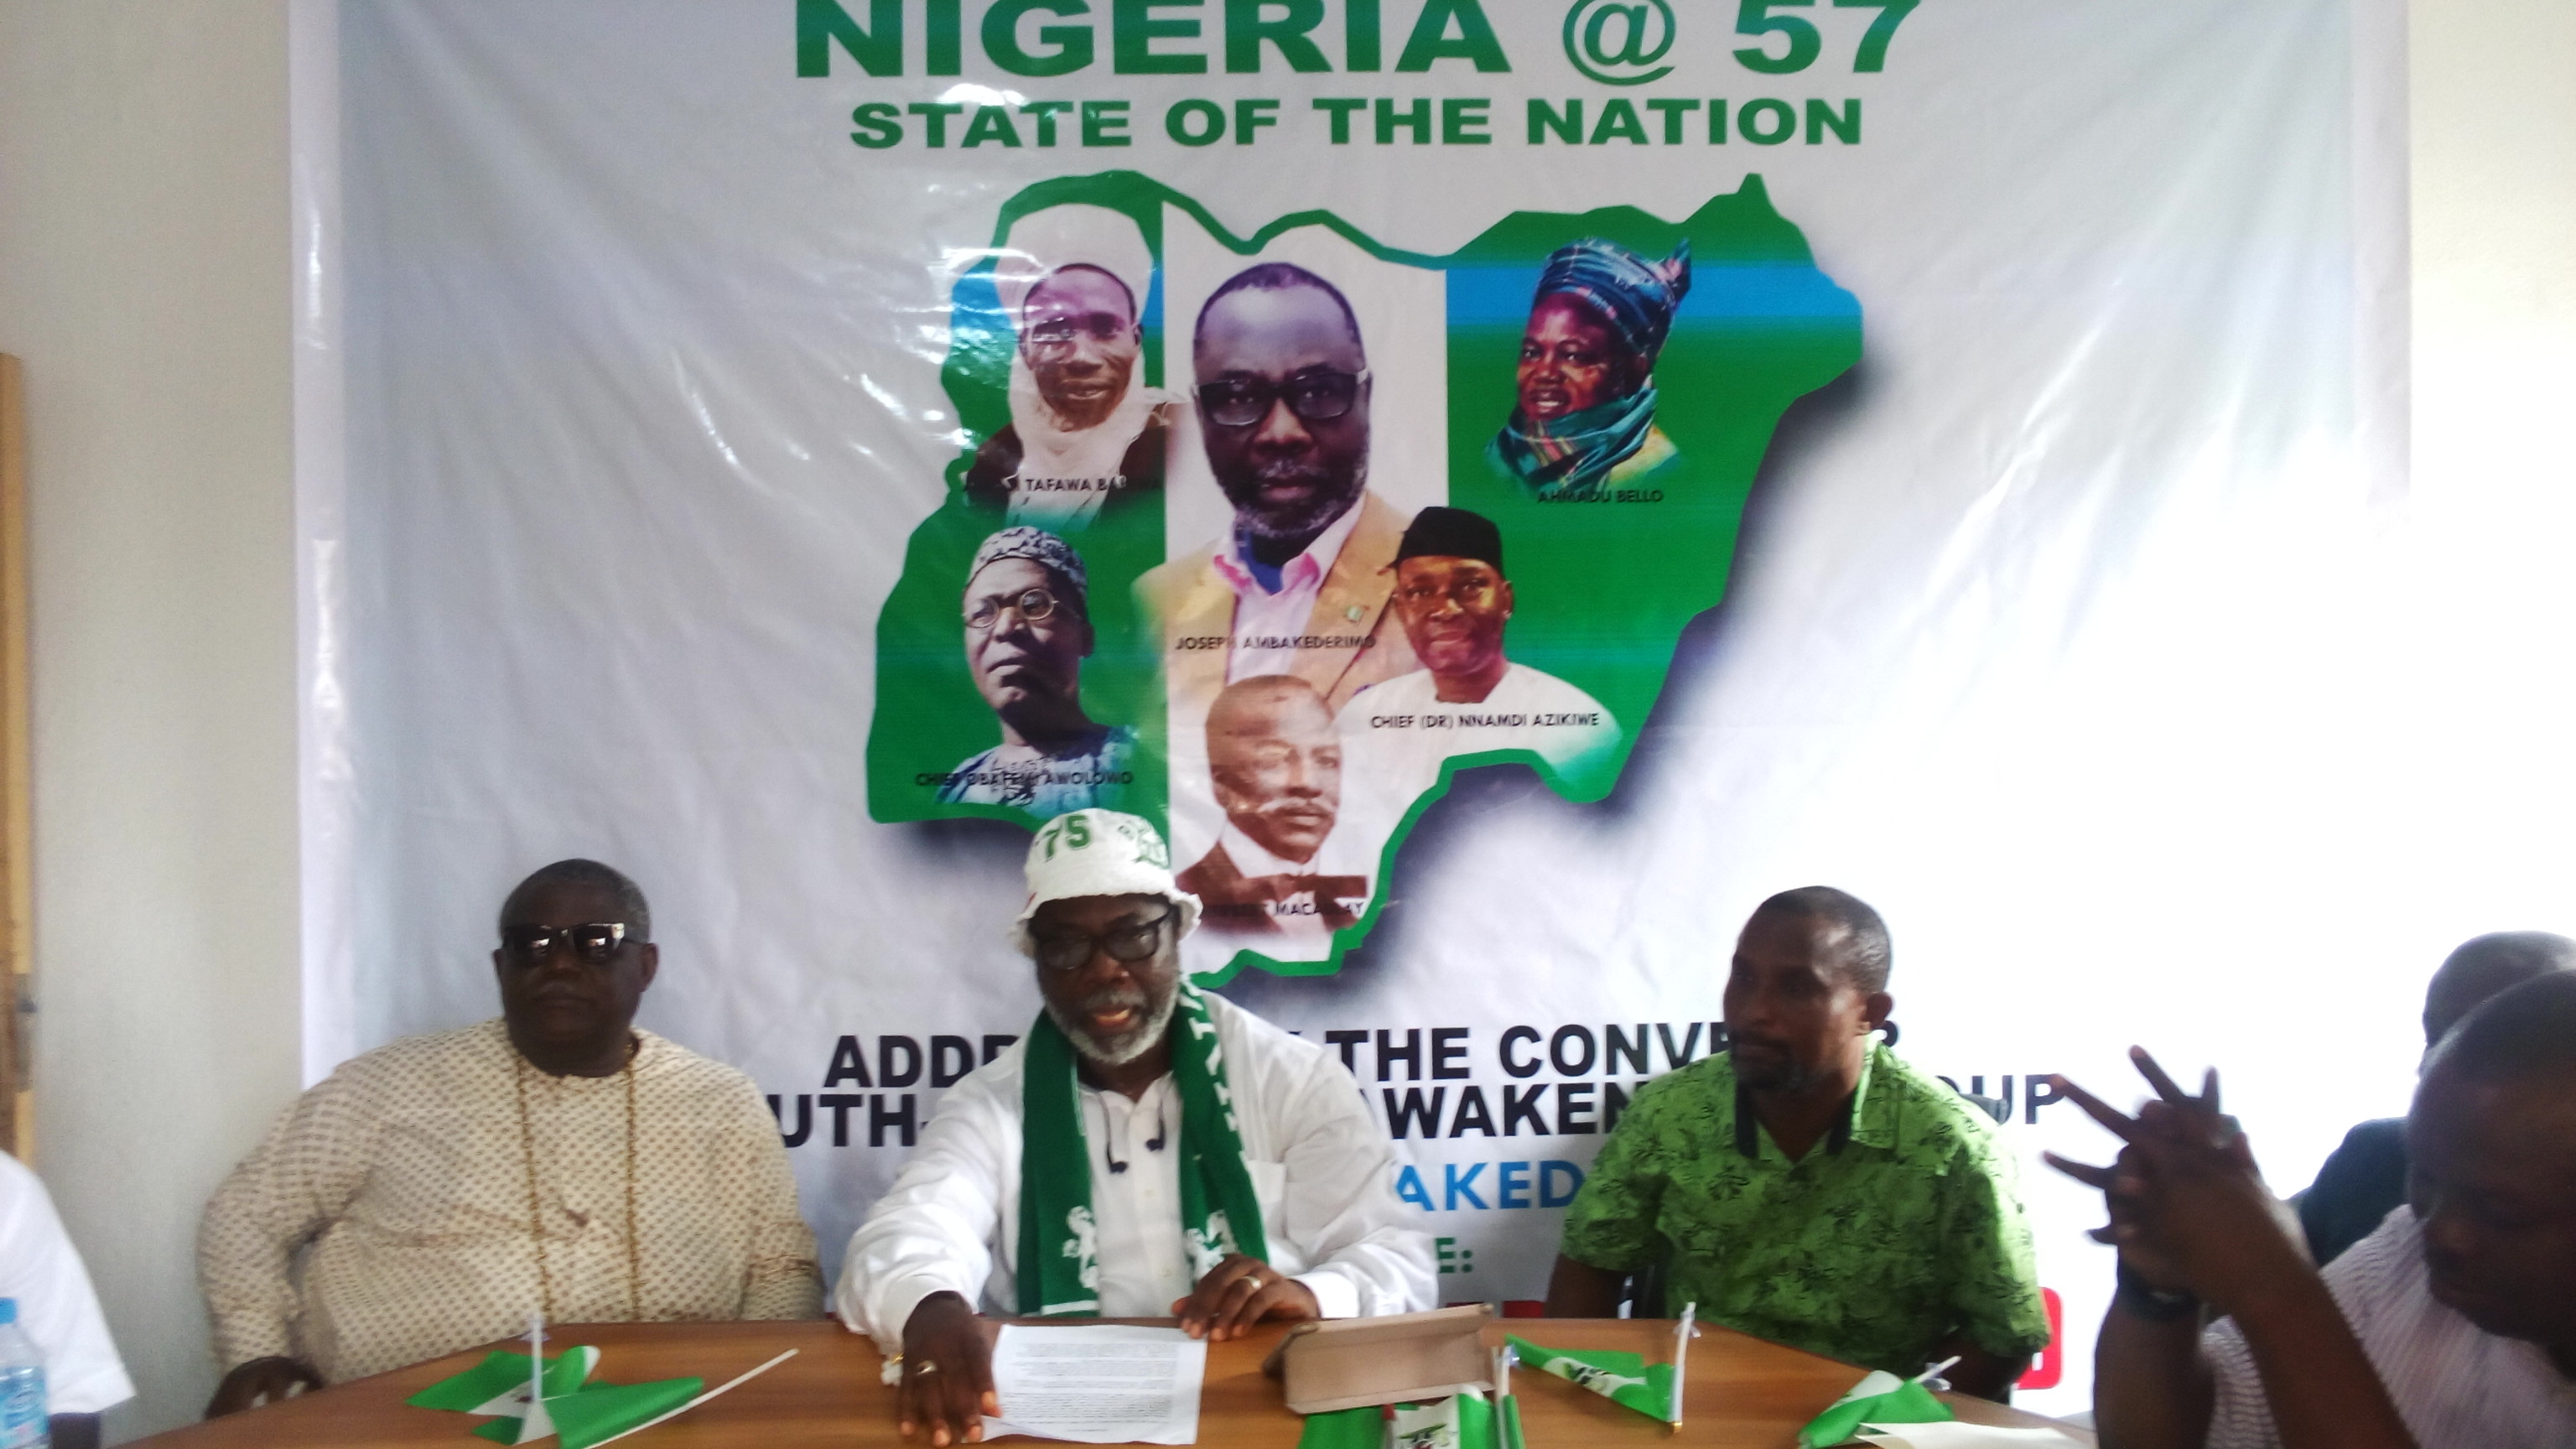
[1883,1240]
[388,1219]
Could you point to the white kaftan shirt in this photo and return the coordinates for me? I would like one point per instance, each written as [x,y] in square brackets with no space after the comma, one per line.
[2454,1384]
[386,1219]
[1324,1173]
[56,1305]
[1397,732]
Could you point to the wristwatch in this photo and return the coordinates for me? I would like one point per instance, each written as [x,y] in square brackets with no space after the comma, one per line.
[2140,1299]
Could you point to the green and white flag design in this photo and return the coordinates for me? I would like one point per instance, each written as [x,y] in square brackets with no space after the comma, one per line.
[1461,1421]
[580,1413]
[1625,1379]
[1059,1262]
[1881,1398]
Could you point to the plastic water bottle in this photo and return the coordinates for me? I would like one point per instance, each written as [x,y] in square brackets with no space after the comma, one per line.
[22,1385]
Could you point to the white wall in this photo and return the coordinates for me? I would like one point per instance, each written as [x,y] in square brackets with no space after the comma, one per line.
[144,276]
[2495,249]
[144,279]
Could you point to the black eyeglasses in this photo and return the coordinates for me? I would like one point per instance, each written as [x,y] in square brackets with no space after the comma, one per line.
[591,944]
[1035,606]
[1072,950]
[1318,395]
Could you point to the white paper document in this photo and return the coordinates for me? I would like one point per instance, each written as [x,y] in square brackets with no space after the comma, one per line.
[1108,1383]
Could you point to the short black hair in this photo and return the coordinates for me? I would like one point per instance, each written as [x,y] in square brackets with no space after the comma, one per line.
[2503,958]
[2516,1035]
[1275,277]
[1867,956]
[579,872]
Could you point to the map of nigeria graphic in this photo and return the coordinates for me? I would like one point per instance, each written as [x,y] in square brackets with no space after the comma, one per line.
[1263,537]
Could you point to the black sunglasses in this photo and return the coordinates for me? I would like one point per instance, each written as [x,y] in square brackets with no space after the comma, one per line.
[591,944]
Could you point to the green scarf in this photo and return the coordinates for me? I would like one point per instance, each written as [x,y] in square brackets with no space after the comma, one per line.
[1059,1263]
[1573,456]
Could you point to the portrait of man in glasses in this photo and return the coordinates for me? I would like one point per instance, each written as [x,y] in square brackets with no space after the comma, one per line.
[1027,618]
[1299,584]
[1084,429]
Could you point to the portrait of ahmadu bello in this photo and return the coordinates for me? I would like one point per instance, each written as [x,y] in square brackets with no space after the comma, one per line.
[1583,417]
[1085,430]
[1276,766]
[1027,616]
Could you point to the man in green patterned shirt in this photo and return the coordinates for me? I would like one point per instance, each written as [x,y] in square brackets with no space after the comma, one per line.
[1806,1185]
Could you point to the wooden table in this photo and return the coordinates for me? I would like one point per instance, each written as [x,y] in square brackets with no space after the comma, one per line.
[1743,1392]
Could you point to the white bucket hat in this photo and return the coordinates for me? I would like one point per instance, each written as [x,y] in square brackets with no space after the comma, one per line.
[1100,853]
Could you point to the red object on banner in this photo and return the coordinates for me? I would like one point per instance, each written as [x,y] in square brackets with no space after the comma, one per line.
[2051,1365]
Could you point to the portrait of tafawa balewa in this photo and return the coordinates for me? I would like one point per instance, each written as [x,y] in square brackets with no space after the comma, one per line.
[1086,432]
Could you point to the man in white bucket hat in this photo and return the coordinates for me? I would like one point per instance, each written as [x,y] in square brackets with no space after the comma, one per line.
[1146,1150]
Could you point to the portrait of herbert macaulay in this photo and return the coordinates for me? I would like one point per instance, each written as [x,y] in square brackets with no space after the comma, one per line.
[1085,431]
[1583,414]
[1298,584]
[1455,601]
[1276,765]
[1027,617]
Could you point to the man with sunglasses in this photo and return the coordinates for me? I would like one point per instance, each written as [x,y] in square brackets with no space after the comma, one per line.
[1145,1151]
[1299,585]
[432,1193]
[1028,629]
[1083,431]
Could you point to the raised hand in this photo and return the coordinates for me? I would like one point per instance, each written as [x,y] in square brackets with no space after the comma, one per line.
[2188,1206]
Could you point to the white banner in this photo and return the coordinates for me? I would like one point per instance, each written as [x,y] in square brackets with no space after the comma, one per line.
[2003,537]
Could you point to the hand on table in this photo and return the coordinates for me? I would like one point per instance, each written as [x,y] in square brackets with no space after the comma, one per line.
[260,1381]
[947,1372]
[1238,1293]
[2189,1209]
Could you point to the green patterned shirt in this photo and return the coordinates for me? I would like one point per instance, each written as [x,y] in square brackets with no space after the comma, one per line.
[1871,1249]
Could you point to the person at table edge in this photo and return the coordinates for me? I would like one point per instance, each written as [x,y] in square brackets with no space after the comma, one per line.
[1146,1150]
[42,1274]
[1809,1185]
[432,1193]
[2452,1326]
[2365,1178]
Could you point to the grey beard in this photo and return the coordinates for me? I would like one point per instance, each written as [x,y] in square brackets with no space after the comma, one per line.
[1311,520]
[1129,1046]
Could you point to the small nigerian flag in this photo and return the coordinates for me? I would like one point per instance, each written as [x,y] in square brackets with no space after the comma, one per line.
[1625,1379]
[581,1414]
[1881,1398]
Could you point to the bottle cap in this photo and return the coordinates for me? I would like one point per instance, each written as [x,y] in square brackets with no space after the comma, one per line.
[8,1311]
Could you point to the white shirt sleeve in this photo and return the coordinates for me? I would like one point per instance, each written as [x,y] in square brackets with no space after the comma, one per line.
[936,1230]
[56,1306]
[1367,1252]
